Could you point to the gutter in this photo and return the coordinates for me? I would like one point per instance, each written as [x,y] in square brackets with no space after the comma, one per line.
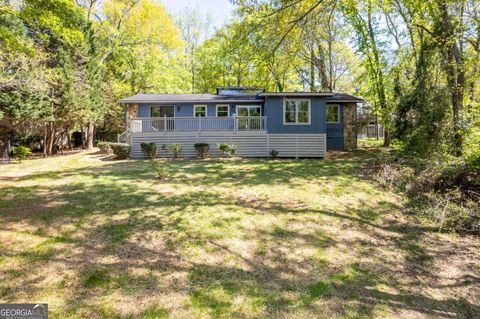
[190,101]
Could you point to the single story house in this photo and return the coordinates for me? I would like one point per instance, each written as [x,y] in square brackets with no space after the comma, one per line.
[296,124]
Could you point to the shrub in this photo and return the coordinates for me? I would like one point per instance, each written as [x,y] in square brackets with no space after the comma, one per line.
[149,149]
[227,149]
[161,170]
[451,210]
[175,149]
[121,150]
[104,147]
[202,149]
[473,160]
[273,153]
[444,190]
[21,152]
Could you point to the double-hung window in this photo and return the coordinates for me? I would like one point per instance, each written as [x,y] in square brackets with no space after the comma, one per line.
[223,111]
[200,110]
[296,112]
[333,113]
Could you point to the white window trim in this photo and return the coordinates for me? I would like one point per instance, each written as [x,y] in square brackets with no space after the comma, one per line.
[248,106]
[296,112]
[228,109]
[326,113]
[195,110]
[156,105]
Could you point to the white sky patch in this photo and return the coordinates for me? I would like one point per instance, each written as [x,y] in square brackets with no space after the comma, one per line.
[219,10]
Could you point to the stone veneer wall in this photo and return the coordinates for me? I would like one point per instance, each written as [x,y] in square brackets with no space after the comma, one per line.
[132,112]
[350,126]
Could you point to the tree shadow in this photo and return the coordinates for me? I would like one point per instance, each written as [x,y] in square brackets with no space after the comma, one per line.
[116,237]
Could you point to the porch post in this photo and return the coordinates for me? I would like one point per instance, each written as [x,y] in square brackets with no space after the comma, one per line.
[165,123]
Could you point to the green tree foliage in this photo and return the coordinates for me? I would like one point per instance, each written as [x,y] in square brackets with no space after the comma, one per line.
[64,64]
[419,61]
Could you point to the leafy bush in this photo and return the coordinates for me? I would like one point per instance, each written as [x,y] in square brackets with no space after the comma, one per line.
[473,159]
[161,170]
[32,141]
[175,149]
[104,147]
[121,150]
[21,152]
[149,149]
[227,149]
[273,153]
[202,149]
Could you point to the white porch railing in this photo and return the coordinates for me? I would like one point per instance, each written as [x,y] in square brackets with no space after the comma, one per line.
[122,138]
[192,124]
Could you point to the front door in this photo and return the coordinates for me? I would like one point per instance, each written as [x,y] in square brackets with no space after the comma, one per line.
[160,112]
[249,114]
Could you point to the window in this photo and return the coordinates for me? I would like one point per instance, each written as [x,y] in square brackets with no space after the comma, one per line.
[161,111]
[200,110]
[249,117]
[296,111]
[223,111]
[248,110]
[333,113]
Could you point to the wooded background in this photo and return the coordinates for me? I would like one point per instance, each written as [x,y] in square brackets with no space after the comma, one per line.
[64,63]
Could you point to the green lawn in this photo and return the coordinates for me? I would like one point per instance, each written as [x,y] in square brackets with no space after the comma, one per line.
[245,238]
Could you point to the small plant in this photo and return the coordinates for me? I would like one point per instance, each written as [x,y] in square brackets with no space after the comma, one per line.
[227,149]
[273,153]
[161,170]
[21,152]
[175,149]
[202,149]
[121,150]
[104,147]
[149,149]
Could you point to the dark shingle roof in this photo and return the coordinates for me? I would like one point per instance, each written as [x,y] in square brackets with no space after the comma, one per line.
[296,94]
[214,98]
[186,98]
[343,97]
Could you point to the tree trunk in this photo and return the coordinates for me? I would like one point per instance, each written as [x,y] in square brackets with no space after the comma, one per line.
[90,135]
[69,140]
[82,135]
[322,69]
[50,137]
[380,84]
[45,142]
[312,72]
[456,77]
[330,60]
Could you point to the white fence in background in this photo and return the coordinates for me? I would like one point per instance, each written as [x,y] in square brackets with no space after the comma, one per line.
[369,131]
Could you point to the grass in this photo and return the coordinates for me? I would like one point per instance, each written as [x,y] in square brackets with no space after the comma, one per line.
[222,238]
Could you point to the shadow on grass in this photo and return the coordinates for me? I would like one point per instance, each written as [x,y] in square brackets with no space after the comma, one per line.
[108,220]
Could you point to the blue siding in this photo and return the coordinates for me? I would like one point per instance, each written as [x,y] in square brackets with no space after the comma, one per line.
[274,113]
[186,109]
[143,110]
[273,109]
[335,132]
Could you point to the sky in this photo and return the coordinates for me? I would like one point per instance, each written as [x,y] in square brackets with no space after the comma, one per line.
[220,10]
